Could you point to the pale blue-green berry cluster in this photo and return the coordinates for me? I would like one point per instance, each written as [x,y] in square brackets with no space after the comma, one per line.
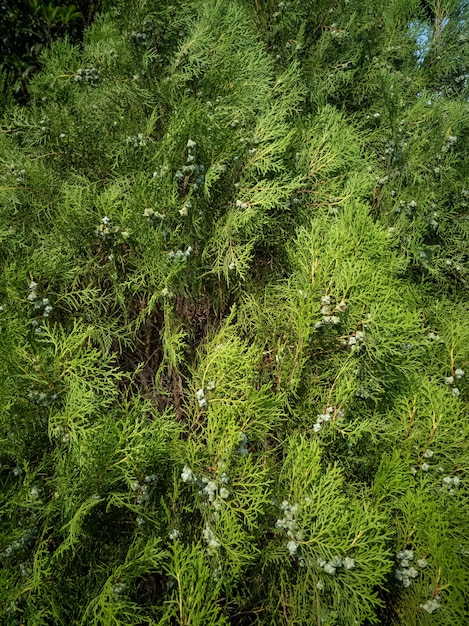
[42,126]
[37,327]
[62,434]
[281,6]
[152,215]
[376,116]
[289,524]
[201,399]
[329,310]
[138,38]
[450,262]
[25,569]
[362,392]
[212,488]
[188,475]
[200,394]
[22,542]
[142,489]
[39,303]
[431,605]
[136,141]
[87,75]
[167,293]
[449,482]
[213,491]
[450,380]
[356,339]
[406,572]
[426,454]
[18,174]
[449,142]
[242,449]
[211,539]
[106,229]
[406,207]
[118,589]
[331,413]
[184,211]
[192,173]
[41,398]
[337,562]
[179,255]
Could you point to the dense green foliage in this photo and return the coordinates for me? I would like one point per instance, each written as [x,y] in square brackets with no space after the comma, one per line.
[235,318]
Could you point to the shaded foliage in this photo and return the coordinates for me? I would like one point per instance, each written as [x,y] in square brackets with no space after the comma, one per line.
[27,29]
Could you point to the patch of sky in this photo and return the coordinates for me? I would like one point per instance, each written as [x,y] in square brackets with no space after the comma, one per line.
[422,33]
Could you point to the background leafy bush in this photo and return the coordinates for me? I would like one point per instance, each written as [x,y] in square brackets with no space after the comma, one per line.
[28,27]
